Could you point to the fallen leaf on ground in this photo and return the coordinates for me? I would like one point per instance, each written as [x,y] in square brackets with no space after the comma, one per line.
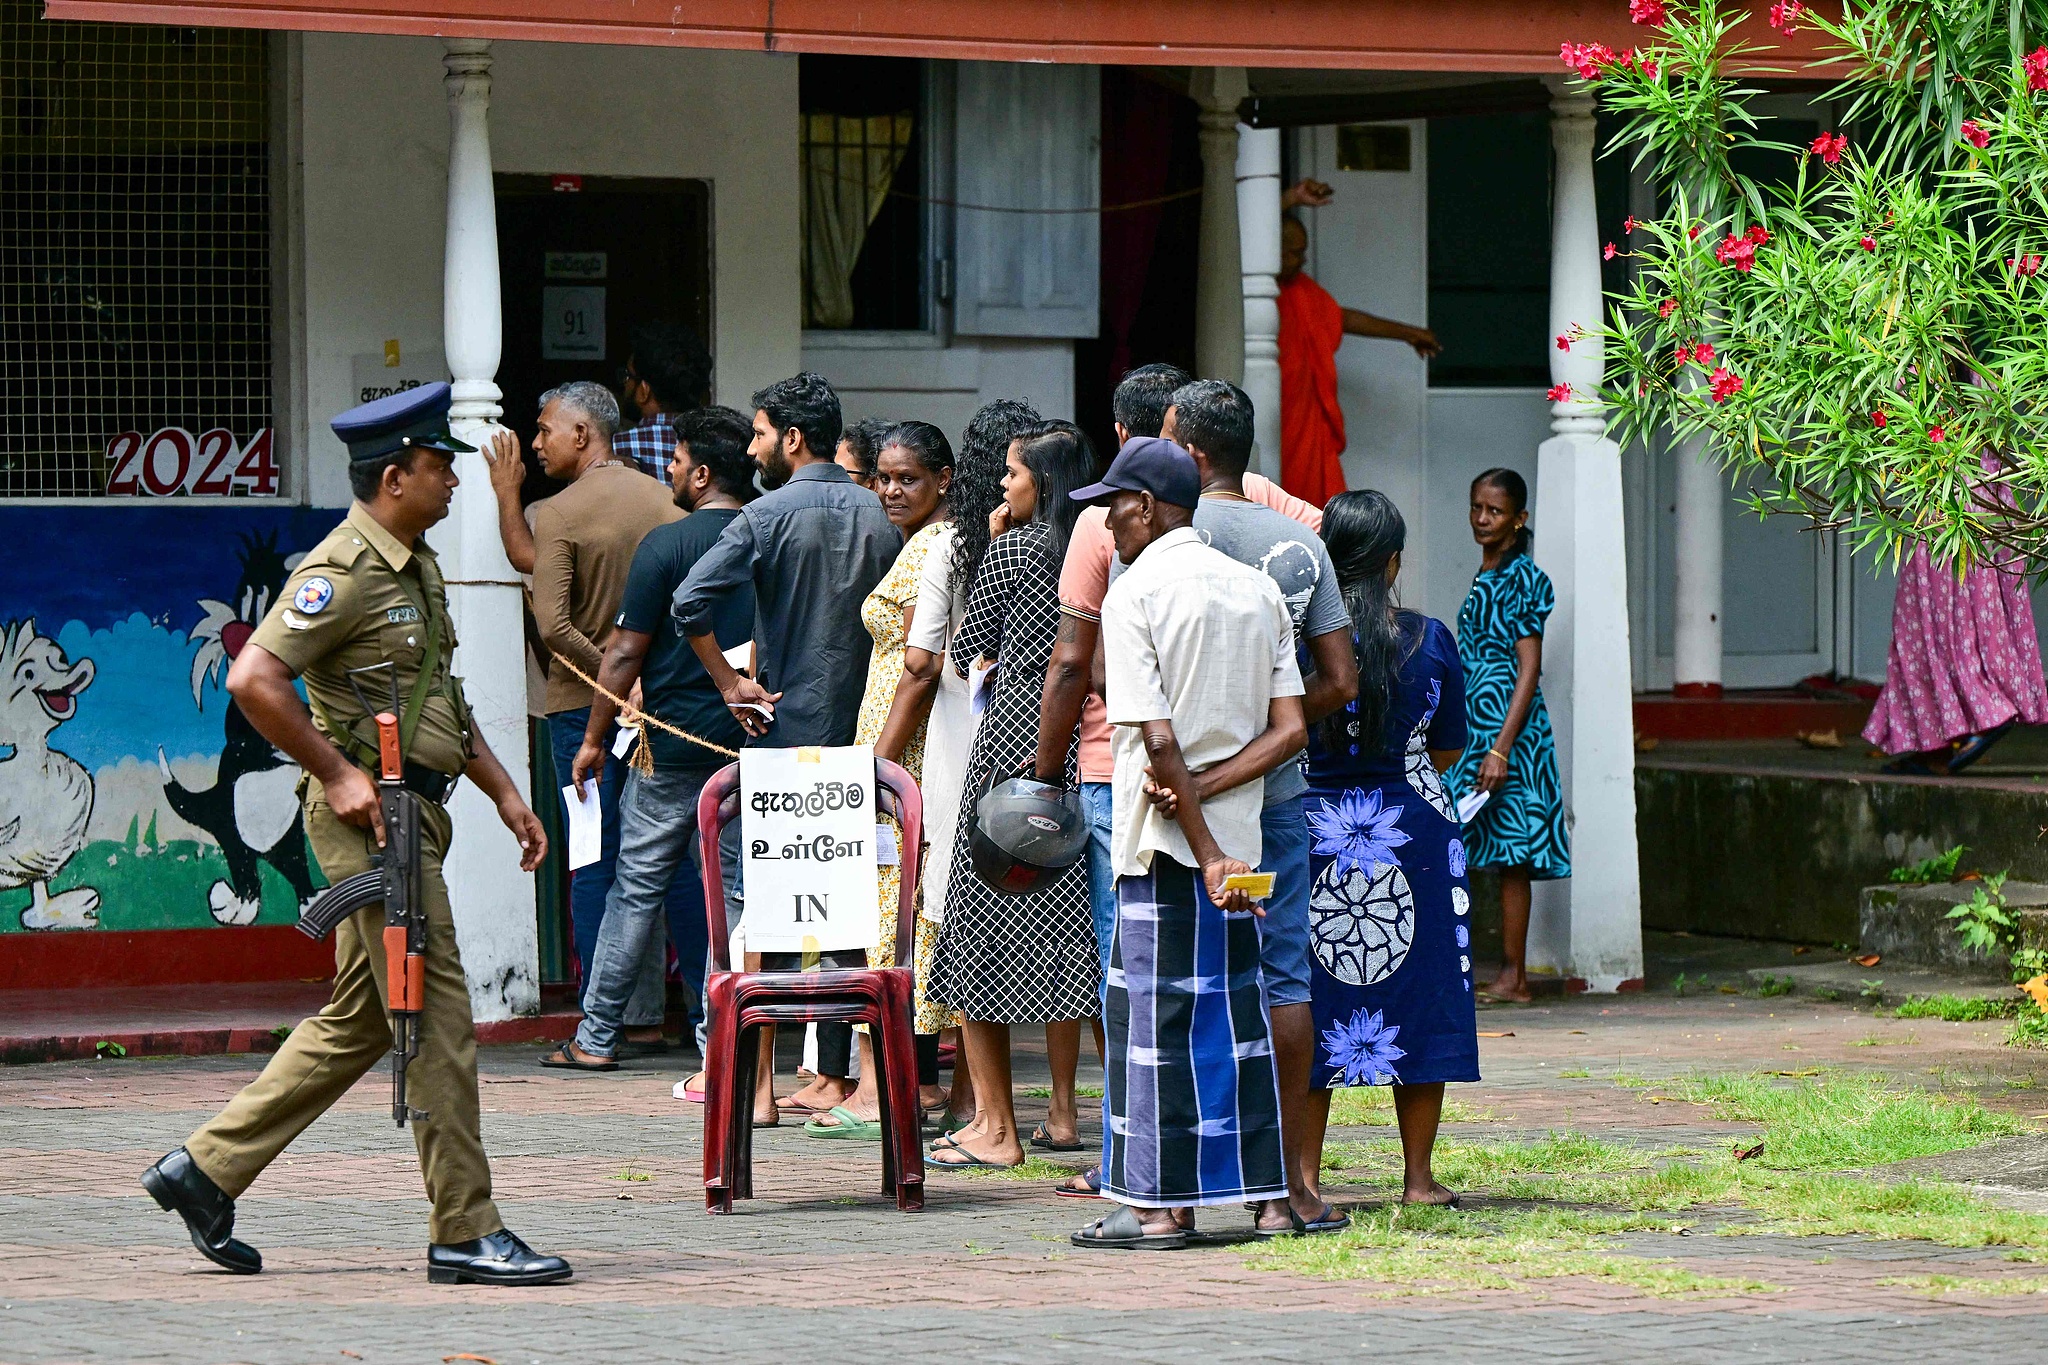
[1867,959]
[1508,1034]
[2038,989]
[1801,951]
[1731,990]
[1749,1154]
[1820,739]
[1581,1032]
[468,1355]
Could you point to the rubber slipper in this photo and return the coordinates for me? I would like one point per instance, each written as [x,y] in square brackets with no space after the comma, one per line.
[1041,1136]
[1122,1230]
[948,1124]
[561,1059]
[1312,1227]
[683,1091]
[1973,747]
[796,1108]
[1092,1177]
[850,1127]
[947,1144]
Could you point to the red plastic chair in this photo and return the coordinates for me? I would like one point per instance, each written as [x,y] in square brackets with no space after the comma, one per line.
[741,1003]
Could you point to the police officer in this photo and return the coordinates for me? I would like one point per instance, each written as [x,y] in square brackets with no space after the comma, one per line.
[371,594]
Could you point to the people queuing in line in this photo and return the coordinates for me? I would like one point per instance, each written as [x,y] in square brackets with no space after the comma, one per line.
[665,375]
[1512,757]
[1219,669]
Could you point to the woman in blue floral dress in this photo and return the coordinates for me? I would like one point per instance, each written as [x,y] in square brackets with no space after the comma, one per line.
[1391,985]
[1512,757]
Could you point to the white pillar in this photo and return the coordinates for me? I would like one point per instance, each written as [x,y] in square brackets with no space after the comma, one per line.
[1258,235]
[1219,308]
[1589,926]
[1696,629]
[493,900]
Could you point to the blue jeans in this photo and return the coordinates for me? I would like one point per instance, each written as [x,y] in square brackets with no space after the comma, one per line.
[1283,932]
[657,850]
[590,886]
[1095,800]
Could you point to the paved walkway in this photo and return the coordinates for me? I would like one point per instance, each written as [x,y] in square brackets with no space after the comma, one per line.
[96,1272]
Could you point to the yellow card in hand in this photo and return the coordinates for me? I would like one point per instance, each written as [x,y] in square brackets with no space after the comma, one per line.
[1257,885]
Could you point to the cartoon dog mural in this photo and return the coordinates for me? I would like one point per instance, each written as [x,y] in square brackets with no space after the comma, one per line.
[252,808]
[45,796]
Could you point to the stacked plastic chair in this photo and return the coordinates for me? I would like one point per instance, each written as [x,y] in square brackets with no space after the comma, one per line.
[741,1003]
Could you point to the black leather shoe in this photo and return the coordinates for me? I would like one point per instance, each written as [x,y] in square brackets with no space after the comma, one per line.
[179,1186]
[500,1258]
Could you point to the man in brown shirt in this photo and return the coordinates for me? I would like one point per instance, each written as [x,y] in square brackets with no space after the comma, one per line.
[583,543]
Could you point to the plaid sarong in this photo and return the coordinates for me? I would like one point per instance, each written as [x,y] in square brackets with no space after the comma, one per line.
[1191,1107]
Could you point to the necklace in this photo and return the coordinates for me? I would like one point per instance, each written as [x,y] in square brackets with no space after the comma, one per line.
[1227,496]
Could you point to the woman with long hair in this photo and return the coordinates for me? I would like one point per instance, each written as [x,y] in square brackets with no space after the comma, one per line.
[1512,759]
[1391,984]
[1029,959]
[914,471]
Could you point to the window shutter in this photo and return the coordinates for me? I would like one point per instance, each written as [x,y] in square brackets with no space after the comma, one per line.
[1028,136]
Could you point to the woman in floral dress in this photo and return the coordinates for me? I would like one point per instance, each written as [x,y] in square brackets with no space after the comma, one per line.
[913,475]
[1390,910]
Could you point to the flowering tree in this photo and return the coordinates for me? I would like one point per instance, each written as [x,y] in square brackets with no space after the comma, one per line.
[1866,340]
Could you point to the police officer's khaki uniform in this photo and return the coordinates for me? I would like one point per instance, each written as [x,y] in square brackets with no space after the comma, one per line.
[361,598]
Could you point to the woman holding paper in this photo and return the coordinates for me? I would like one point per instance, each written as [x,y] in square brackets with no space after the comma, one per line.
[1507,784]
[1390,909]
[1029,959]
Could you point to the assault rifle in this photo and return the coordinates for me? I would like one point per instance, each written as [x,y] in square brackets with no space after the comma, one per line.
[394,879]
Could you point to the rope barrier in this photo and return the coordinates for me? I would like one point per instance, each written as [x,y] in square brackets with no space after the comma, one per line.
[629,714]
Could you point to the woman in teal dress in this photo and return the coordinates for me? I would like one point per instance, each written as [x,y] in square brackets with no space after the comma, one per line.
[1512,756]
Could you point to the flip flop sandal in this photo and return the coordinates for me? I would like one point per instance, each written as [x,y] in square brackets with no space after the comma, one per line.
[797,1109]
[1041,1136]
[948,1124]
[1122,1230]
[561,1059]
[1973,747]
[1092,1177]
[850,1127]
[1313,1227]
[946,1144]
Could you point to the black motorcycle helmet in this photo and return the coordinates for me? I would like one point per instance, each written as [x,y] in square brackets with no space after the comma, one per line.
[1026,833]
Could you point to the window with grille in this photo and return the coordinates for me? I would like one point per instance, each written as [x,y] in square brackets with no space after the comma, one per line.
[864,220]
[135,349]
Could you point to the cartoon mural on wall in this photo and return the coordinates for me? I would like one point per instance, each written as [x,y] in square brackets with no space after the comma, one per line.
[133,792]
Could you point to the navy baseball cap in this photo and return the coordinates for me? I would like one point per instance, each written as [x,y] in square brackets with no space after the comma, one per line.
[1148,464]
[410,419]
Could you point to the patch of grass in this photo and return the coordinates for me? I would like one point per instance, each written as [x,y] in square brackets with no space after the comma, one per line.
[1844,1119]
[1372,1106]
[1418,1251]
[1968,1284]
[1772,985]
[638,1177]
[1940,868]
[2029,1030]
[1044,1092]
[1956,1009]
[1034,1168]
[1826,993]
[1878,1040]
[1574,1073]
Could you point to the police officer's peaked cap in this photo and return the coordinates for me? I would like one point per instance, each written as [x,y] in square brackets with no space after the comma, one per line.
[411,419]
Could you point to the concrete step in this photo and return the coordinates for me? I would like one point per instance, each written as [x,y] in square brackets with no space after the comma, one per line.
[1884,984]
[1908,923]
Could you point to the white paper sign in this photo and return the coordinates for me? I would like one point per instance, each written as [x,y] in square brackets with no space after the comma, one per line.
[623,740]
[807,831]
[572,322]
[981,685]
[586,825]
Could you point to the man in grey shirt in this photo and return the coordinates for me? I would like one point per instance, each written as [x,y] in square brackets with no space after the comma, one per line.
[1213,420]
[813,548]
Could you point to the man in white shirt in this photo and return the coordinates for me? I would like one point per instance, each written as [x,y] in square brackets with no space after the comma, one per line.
[1200,675]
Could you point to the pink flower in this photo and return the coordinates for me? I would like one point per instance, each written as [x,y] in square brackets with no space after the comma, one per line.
[1756,234]
[1723,385]
[1558,393]
[1629,223]
[1867,243]
[1692,234]
[1974,135]
[1649,69]
[1588,58]
[1785,14]
[2025,265]
[1739,252]
[1878,419]
[1683,355]
[1646,12]
[2036,64]
[1936,435]
[1704,353]
[1667,308]
[1829,147]
[1564,341]
[1608,252]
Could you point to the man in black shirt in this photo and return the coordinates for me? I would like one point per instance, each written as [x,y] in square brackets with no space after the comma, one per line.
[713,477]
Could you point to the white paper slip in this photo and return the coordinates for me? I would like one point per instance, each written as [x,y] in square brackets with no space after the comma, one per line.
[1469,805]
[624,740]
[886,852]
[741,657]
[586,826]
[981,681]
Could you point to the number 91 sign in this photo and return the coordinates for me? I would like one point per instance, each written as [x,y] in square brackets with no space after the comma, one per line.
[173,461]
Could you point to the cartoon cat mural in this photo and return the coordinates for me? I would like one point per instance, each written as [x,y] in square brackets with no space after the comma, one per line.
[45,795]
[252,808]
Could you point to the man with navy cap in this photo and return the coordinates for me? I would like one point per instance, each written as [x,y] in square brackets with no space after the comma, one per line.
[371,594]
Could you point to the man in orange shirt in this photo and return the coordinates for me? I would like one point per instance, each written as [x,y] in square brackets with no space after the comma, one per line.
[1312,326]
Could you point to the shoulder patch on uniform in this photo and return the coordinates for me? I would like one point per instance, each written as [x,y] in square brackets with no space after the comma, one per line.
[293,621]
[399,615]
[313,596]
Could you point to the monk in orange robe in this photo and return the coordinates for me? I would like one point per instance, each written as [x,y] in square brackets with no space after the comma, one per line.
[1312,326]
